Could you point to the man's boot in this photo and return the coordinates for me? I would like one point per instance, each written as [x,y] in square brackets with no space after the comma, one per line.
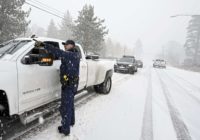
[60,129]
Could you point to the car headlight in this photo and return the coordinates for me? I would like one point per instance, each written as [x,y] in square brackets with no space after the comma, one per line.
[130,65]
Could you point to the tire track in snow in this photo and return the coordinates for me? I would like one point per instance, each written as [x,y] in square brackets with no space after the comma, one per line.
[180,127]
[186,81]
[147,126]
[185,91]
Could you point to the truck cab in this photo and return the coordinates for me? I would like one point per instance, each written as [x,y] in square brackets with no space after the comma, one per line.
[29,76]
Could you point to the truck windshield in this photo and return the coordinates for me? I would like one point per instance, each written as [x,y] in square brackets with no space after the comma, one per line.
[126,59]
[12,46]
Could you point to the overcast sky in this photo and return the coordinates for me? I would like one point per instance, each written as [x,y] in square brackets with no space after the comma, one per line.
[128,20]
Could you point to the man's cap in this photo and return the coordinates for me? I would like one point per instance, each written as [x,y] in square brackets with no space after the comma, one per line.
[69,42]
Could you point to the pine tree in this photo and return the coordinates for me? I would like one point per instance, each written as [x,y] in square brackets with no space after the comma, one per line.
[52,30]
[28,33]
[114,49]
[109,48]
[102,52]
[12,19]
[192,40]
[89,31]
[118,50]
[66,27]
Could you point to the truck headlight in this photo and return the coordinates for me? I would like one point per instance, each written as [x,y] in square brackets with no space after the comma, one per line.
[130,65]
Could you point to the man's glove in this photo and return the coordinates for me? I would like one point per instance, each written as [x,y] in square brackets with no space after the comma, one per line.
[39,44]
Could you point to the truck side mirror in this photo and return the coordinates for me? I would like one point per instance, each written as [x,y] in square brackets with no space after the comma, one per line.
[26,60]
[41,59]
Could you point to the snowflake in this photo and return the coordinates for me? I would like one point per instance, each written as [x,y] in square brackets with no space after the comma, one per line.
[41,120]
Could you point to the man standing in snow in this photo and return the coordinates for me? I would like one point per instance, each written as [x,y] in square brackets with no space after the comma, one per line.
[69,77]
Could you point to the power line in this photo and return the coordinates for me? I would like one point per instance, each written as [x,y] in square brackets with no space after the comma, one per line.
[44,10]
[45,6]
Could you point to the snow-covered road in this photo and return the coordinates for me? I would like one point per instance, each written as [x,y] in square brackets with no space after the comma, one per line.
[153,104]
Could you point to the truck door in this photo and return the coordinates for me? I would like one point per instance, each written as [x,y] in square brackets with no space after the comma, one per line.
[55,73]
[36,84]
[82,71]
[82,74]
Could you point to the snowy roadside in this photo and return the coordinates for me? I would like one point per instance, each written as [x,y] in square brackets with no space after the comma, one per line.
[184,90]
[153,104]
[114,116]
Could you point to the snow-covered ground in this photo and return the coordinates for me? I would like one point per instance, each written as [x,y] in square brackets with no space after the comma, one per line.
[153,104]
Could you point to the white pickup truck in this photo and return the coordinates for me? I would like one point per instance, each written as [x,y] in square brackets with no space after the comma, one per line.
[27,84]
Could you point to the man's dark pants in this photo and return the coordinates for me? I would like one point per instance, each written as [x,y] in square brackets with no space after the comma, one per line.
[67,107]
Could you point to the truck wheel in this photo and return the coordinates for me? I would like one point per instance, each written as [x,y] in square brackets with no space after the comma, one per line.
[136,70]
[4,104]
[131,71]
[105,87]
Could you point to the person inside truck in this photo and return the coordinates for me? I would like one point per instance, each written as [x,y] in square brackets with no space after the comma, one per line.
[69,77]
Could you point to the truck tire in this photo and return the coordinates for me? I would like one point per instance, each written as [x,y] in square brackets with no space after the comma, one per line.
[131,71]
[104,87]
[136,70]
[4,105]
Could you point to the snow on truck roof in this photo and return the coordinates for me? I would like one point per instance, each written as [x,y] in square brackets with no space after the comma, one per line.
[44,39]
[41,39]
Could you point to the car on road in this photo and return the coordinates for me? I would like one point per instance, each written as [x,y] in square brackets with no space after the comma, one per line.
[139,63]
[29,77]
[159,63]
[126,64]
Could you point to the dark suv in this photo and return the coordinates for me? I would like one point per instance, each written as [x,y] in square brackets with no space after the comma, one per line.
[126,64]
